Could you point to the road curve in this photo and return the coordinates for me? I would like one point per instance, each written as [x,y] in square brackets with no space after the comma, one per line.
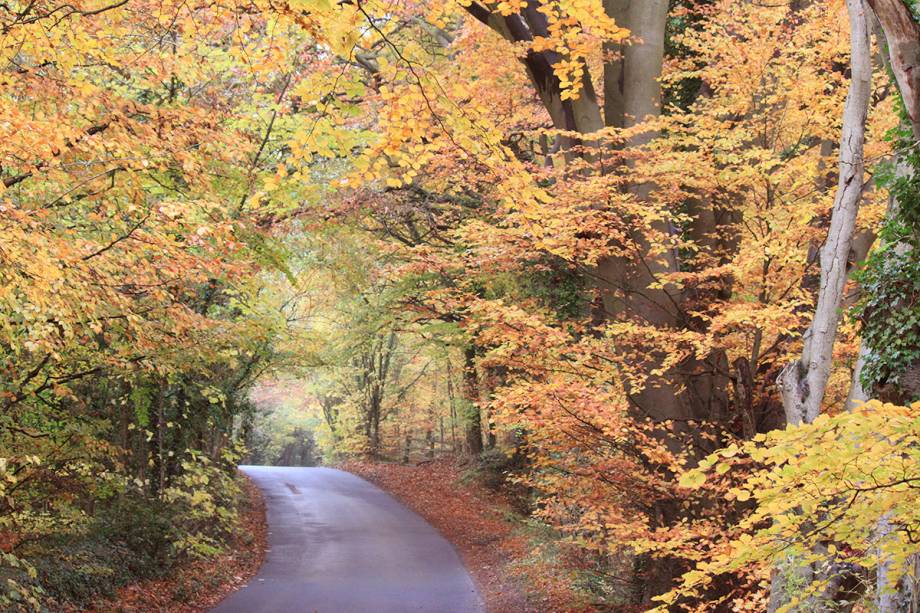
[338,544]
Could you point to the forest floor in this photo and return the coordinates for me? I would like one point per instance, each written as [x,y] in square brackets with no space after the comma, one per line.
[198,585]
[496,545]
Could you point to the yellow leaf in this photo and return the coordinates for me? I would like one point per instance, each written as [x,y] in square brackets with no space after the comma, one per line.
[692,479]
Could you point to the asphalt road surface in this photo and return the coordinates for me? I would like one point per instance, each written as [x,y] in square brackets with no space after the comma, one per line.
[338,544]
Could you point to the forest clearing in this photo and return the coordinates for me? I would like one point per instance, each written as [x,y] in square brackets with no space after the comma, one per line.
[606,305]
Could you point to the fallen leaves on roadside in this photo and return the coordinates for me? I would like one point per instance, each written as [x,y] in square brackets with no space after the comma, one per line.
[480,524]
[200,584]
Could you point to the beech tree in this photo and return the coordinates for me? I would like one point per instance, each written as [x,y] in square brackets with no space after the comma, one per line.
[616,192]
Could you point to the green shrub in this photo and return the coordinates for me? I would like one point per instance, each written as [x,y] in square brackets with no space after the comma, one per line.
[129,539]
[132,537]
[205,500]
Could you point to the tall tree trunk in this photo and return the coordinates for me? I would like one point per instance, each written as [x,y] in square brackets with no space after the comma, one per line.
[628,285]
[472,422]
[903,35]
[451,400]
[803,382]
[632,94]
[375,428]
[407,446]
[441,433]
[161,438]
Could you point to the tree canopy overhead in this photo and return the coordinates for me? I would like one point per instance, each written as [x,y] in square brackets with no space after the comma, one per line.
[651,259]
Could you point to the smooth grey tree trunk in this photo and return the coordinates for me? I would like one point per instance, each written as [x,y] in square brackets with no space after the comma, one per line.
[632,95]
[803,382]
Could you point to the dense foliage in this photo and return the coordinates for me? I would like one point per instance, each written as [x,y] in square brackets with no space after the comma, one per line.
[891,283]
[132,290]
[579,241]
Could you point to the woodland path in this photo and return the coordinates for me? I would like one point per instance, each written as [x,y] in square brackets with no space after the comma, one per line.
[338,544]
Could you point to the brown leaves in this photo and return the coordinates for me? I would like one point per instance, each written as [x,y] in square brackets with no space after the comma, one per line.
[483,527]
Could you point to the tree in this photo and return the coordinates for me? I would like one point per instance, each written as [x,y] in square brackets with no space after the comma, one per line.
[134,315]
[693,226]
[803,382]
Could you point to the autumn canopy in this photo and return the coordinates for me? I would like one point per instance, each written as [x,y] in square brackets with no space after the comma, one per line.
[653,266]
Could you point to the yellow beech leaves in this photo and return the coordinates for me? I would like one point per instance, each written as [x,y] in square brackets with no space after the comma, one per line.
[825,482]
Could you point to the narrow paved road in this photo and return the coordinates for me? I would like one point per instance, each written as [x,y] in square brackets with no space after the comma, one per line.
[338,544]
